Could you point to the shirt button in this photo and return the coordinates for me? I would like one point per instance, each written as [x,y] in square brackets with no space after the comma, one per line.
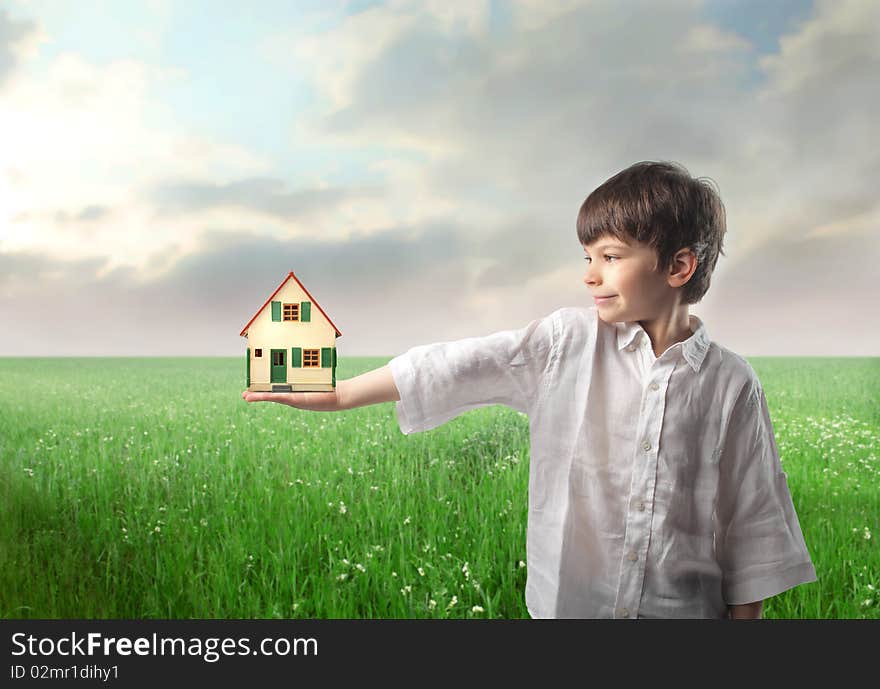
[632,557]
[646,446]
[654,386]
[624,612]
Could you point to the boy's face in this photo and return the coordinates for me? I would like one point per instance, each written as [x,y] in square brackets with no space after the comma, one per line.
[625,273]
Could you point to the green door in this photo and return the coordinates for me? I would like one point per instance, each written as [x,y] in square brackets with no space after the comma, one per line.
[279,366]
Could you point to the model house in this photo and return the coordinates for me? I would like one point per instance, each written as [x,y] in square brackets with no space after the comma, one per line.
[291,343]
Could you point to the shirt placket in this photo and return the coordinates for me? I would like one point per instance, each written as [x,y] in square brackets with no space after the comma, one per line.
[640,507]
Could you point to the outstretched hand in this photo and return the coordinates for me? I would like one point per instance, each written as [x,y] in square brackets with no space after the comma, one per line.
[313,401]
[372,387]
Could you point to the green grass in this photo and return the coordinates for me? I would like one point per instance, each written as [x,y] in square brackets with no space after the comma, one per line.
[143,488]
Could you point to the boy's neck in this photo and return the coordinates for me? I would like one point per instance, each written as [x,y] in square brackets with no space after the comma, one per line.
[668,329]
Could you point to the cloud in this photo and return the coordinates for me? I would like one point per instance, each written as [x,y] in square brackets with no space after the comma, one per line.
[485,132]
[200,302]
[261,194]
[526,121]
[518,126]
[90,142]
[85,215]
[798,296]
[837,44]
[816,111]
[537,116]
[17,38]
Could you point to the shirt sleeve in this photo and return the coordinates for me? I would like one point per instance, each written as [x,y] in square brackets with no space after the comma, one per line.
[759,543]
[437,382]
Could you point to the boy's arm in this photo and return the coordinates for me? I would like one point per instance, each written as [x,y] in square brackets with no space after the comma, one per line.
[439,381]
[758,539]
[747,611]
[372,387]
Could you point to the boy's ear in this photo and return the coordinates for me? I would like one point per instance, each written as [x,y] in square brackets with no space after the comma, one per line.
[684,263]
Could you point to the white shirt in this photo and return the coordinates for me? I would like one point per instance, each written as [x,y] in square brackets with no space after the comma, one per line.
[655,484]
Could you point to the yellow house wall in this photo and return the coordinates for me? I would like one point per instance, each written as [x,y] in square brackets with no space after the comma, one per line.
[266,334]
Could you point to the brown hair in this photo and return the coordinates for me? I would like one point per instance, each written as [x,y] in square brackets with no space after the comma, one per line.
[660,204]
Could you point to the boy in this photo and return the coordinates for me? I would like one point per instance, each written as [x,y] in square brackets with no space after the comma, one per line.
[655,486]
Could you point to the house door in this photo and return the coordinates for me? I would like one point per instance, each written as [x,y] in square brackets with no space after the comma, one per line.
[279,366]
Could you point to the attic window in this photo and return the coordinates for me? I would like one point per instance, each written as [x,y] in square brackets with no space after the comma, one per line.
[291,312]
[311,358]
[258,352]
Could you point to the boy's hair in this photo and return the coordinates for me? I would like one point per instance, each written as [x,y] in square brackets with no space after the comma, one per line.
[660,204]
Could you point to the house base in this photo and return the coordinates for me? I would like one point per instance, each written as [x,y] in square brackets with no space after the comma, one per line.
[291,387]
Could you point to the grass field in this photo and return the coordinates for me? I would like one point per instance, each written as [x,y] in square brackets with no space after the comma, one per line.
[144,488]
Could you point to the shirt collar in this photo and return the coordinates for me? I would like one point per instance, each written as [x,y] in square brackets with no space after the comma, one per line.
[693,349]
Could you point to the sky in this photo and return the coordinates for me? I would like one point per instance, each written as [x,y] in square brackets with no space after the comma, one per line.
[419,165]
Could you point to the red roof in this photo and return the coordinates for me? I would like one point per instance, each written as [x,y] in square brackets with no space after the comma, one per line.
[284,282]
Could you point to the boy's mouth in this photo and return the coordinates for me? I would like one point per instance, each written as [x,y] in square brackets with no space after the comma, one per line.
[600,300]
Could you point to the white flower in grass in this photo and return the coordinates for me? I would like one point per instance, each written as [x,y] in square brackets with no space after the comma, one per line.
[432,604]
[476,609]
[407,520]
[360,568]
[867,534]
[521,564]
[406,589]
[342,577]
[452,602]
[342,508]
[421,572]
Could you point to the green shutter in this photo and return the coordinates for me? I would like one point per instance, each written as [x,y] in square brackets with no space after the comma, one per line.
[248,355]
[305,312]
[326,357]
[334,367]
[296,357]
[276,310]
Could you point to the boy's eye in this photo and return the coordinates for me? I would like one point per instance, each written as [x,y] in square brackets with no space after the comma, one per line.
[607,258]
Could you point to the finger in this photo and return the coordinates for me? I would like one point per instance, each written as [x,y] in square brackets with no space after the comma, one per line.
[291,399]
[315,401]
[262,396]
